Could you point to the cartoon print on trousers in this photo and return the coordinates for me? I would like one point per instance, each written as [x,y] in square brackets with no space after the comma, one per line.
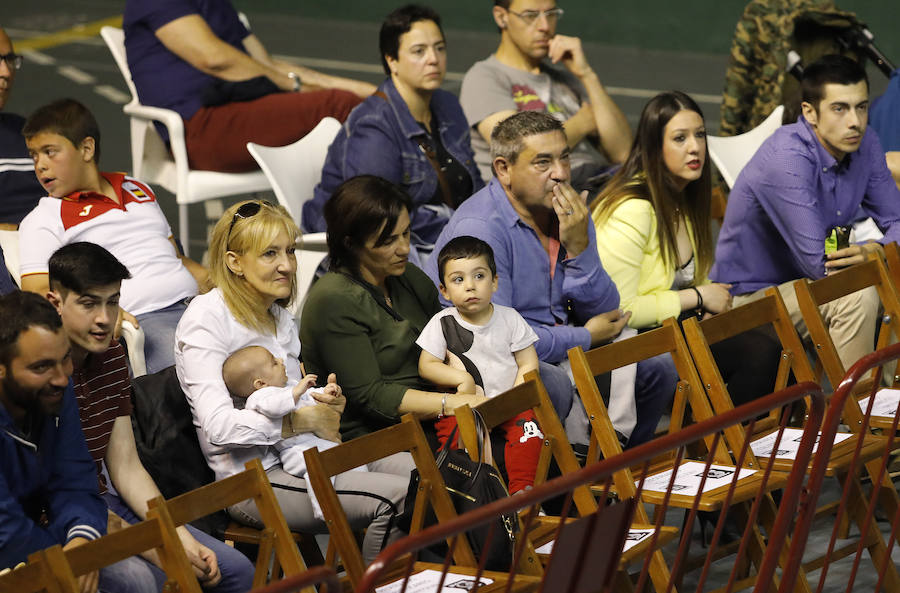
[530,430]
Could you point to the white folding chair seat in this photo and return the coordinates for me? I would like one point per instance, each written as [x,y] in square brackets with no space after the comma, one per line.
[295,170]
[731,153]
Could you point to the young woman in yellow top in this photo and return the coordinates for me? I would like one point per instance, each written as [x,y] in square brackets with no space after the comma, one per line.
[654,238]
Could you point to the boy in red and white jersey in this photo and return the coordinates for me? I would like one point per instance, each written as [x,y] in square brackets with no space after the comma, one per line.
[109,209]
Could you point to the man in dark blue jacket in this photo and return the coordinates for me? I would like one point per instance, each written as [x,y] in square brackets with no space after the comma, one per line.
[48,482]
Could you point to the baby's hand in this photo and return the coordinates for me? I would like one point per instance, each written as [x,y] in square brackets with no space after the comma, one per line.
[304,384]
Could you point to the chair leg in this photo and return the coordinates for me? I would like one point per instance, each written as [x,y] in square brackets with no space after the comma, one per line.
[183,232]
[878,552]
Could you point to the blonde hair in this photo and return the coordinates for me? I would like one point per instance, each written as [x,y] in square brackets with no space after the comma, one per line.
[251,235]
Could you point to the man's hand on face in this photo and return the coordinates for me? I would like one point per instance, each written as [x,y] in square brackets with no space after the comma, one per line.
[568,50]
[572,211]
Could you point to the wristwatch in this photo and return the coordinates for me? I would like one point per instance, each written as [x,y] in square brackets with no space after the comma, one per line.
[296,78]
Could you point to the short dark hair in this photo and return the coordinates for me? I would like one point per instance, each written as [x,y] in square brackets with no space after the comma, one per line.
[68,118]
[830,69]
[81,266]
[397,23]
[503,3]
[19,311]
[357,209]
[507,139]
[465,247]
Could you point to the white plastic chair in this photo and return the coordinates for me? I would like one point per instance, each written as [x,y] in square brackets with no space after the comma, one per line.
[295,170]
[152,162]
[732,153]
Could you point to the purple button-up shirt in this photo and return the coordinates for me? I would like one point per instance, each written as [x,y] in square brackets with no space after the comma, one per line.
[579,289]
[789,197]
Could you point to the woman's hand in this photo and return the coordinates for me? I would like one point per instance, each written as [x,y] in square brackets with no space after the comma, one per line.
[716,298]
[332,395]
[320,419]
[455,400]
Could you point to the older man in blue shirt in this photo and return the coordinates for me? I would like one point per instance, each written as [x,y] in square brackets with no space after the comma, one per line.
[548,267]
[805,180]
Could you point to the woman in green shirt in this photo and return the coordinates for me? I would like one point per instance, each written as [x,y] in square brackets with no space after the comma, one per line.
[362,318]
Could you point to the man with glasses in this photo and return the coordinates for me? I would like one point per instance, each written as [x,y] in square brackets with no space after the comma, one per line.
[534,69]
[19,188]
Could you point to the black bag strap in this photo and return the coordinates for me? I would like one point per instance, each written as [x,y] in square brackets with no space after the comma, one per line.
[431,155]
[445,449]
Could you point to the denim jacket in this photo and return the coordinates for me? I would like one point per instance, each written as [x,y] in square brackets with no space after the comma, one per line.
[379,138]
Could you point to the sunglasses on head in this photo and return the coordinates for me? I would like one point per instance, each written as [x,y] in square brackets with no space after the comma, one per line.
[247,210]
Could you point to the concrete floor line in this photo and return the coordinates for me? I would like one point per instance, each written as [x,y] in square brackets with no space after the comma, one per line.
[68,35]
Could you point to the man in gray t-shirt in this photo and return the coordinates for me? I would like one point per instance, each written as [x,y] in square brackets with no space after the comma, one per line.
[519,77]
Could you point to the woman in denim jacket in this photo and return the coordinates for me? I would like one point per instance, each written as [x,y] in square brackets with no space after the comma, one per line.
[410,132]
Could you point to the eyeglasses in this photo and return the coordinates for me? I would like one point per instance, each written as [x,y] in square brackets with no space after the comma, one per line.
[13,60]
[529,17]
[248,210]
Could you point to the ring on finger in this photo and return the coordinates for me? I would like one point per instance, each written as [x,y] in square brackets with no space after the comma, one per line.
[570,212]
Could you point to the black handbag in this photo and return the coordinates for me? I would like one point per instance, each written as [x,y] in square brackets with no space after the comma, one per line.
[471,484]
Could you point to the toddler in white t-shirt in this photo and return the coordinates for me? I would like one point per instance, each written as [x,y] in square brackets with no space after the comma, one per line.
[479,346]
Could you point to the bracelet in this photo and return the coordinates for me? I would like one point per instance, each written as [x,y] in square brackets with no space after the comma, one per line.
[699,307]
[443,407]
[296,78]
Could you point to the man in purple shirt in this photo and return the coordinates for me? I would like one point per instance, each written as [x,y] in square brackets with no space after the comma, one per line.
[548,267]
[805,180]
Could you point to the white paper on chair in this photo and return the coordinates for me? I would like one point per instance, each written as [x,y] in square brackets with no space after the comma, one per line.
[427,582]
[886,403]
[789,445]
[633,538]
[690,473]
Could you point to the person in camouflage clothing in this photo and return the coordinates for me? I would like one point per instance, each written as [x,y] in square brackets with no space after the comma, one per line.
[756,81]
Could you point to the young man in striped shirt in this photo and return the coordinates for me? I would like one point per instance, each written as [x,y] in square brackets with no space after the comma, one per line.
[84,287]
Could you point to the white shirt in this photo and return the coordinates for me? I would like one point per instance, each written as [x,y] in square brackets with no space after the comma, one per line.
[135,231]
[271,402]
[491,347]
[206,336]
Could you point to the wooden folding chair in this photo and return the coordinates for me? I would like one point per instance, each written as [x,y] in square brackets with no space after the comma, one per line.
[41,575]
[154,533]
[405,436]
[811,295]
[531,395]
[770,310]
[251,483]
[668,339]
[892,257]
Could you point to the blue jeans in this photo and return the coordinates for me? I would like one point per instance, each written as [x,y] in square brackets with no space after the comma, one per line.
[159,335]
[136,575]
[559,388]
[654,390]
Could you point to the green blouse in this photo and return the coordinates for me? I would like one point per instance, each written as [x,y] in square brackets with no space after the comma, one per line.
[346,328]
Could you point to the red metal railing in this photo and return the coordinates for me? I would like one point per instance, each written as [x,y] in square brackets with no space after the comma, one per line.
[875,472]
[321,576]
[673,447]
